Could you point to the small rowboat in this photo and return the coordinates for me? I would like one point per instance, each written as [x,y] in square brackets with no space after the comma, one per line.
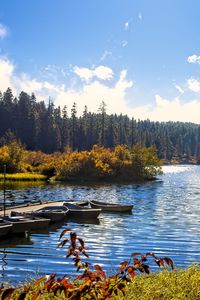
[76,211]
[111,207]
[39,223]
[19,225]
[54,213]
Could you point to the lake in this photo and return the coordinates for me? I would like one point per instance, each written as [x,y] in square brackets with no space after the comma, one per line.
[165,219]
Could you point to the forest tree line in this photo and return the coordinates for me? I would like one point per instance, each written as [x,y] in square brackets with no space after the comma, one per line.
[48,128]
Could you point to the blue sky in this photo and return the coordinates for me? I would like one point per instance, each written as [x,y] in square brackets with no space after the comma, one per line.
[141,57]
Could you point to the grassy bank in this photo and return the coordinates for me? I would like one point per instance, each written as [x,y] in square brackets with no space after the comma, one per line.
[23,177]
[166,285]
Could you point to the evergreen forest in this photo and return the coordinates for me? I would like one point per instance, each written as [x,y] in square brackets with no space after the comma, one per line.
[49,129]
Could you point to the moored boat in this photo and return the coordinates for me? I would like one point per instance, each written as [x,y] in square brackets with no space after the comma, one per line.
[76,211]
[19,225]
[111,207]
[39,223]
[78,202]
[5,228]
[54,213]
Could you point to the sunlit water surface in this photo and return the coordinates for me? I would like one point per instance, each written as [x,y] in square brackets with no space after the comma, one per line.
[165,220]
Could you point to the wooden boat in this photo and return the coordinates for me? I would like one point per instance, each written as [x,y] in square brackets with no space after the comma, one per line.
[78,202]
[111,207]
[76,211]
[19,225]
[38,222]
[5,228]
[54,213]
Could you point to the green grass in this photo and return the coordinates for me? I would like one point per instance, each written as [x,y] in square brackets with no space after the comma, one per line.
[23,177]
[166,285]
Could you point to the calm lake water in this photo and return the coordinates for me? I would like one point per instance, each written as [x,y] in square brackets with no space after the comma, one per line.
[165,220]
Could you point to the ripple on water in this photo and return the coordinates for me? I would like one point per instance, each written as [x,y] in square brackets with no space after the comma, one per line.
[165,220]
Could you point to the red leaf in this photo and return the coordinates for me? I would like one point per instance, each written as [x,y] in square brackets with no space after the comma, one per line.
[100,271]
[84,253]
[123,265]
[131,271]
[63,243]
[151,254]
[169,262]
[63,232]
[73,238]
[135,254]
[81,242]
[160,262]
[69,252]
[143,257]
[136,261]
[66,284]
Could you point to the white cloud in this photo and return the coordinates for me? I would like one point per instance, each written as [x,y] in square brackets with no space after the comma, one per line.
[193,85]
[101,72]
[92,92]
[126,25]
[6,73]
[124,43]
[170,110]
[140,16]
[9,78]
[105,55]
[3,31]
[194,59]
[179,88]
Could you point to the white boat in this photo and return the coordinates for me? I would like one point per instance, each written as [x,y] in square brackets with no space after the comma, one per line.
[111,207]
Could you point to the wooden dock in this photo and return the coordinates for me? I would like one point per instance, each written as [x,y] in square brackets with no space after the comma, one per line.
[30,207]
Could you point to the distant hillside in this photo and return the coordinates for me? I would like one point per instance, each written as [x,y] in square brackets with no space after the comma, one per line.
[49,129]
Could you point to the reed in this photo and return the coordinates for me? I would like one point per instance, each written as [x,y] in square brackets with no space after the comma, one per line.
[23,177]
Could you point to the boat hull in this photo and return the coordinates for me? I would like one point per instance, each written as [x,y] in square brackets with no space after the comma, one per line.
[107,207]
[77,211]
[5,229]
[19,225]
[39,223]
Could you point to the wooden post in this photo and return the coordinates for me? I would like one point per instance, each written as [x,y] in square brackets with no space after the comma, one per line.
[4,191]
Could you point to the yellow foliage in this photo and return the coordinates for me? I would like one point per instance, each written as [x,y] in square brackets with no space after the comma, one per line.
[98,163]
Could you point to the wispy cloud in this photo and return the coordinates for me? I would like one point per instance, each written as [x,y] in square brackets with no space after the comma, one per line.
[124,43]
[140,16]
[105,55]
[101,72]
[179,88]
[194,59]
[3,31]
[126,25]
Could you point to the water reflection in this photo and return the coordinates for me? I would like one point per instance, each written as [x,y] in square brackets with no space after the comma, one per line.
[165,219]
